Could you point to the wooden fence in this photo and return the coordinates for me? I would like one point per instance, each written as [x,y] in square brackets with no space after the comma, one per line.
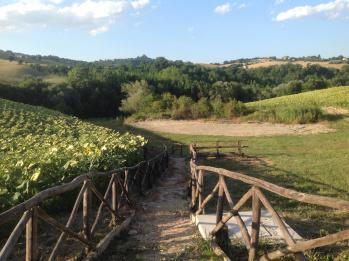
[199,201]
[219,149]
[122,183]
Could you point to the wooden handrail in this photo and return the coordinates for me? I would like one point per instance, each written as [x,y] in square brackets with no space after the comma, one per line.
[287,193]
[201,150]
[258,199]
[61,189]
[121,183]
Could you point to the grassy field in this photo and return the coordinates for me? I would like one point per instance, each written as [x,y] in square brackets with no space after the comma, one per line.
[14,72]
[336,96]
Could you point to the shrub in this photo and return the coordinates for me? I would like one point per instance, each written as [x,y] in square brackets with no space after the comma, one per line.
[182,108]
[201,109]
[138,97]
[301,114]
[217,108]
[290,114]
[234,109]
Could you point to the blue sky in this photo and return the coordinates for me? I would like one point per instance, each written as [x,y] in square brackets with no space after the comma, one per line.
[191,30]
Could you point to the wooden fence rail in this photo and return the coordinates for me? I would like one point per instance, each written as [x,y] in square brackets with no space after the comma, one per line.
[214,149]
[117,197]
[199,202]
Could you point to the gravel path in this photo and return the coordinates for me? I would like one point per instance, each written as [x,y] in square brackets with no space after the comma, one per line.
[162,229]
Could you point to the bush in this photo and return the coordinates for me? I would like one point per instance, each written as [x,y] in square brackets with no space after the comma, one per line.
[182,108]
[201,109]
[138,97]
[234,109]
[217,108]
[302,114]
[297,114]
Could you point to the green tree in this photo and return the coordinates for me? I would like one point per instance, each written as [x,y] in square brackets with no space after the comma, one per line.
[182,108]
[201,109]
[138,97]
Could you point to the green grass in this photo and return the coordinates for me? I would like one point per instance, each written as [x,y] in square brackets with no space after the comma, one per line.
[337,96]
[317,164]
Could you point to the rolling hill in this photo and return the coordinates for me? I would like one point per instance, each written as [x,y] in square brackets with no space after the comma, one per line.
[12,71]
[336,96]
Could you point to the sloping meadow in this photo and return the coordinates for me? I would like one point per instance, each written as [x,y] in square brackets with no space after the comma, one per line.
[301,108]
[40,148]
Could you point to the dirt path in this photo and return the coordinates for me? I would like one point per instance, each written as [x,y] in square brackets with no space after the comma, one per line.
[162,229]
[230,129]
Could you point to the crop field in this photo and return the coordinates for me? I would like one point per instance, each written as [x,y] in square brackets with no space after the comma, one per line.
[261,63]
[267,63]
[40,148]
[337,96]
[14,72]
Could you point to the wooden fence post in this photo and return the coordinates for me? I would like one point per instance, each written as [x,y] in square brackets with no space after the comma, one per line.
[114,199]
[193,189]
[219,212]
[145,152]
[256,216]
[86,213]
[239,148]
[200,187]
[32,236]
[217,149]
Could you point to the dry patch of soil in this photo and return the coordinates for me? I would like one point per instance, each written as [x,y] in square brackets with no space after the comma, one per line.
[230,129]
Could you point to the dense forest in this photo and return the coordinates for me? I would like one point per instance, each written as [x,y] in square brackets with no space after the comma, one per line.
[161,87]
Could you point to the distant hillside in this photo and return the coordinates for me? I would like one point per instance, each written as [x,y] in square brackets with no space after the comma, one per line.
[253,63]
[337,97]
[55,60]
[38,59]
[13,71]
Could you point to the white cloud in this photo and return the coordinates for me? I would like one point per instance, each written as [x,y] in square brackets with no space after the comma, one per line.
[139,4]
[331,9]
[223,9]
[93,16]
[99,30]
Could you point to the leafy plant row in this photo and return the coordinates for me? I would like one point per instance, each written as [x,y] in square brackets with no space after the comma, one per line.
[40,148]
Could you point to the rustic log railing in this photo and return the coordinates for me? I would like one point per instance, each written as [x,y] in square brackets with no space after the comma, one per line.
[214,149]
[199,202]
[177,147]
[117,197]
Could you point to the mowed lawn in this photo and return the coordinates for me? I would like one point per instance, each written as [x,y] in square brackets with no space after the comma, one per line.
[317,164]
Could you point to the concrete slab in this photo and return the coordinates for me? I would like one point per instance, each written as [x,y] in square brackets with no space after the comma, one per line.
[268,230]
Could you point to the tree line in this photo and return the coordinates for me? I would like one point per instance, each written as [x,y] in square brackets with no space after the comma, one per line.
[102,90]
